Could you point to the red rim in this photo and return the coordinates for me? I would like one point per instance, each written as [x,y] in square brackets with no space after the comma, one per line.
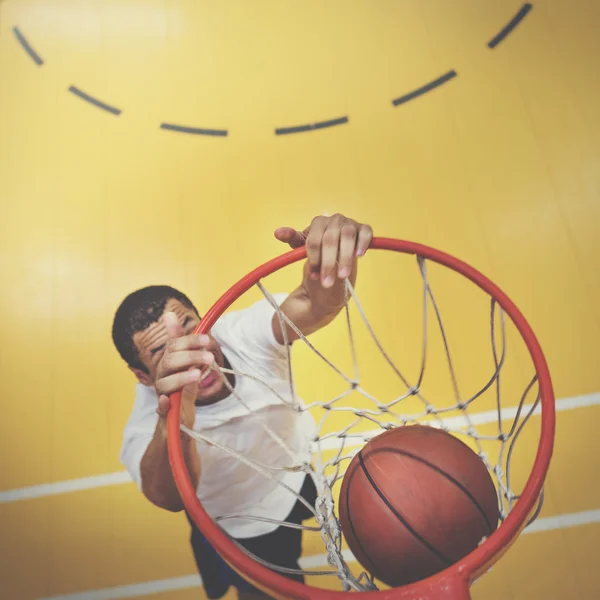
[454,581]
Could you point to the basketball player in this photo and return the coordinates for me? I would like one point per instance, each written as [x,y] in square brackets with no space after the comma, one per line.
[152,331]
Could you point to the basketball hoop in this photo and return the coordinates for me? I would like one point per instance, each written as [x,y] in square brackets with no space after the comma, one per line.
[517,509]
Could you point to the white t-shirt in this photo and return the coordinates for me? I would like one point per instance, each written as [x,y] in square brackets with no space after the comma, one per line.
[227,486]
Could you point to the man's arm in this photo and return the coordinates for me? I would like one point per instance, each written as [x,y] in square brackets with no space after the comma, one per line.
[333,245]
[174,373]
[158,484]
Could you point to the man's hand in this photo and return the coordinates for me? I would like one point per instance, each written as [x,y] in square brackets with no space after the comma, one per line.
[332,245]
[180,368]
[182,365]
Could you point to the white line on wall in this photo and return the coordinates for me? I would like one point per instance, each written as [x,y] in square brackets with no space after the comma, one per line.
[64,487]
[95,481]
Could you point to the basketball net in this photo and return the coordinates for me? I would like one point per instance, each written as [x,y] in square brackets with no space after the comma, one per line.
[333,448]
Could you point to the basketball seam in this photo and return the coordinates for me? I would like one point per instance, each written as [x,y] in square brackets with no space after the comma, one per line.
[356,536]
[415,533]
[447,476]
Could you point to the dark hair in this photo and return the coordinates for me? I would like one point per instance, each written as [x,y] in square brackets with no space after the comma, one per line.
[137,312]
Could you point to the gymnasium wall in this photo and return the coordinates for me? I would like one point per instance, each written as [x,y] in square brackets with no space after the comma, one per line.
[155,141]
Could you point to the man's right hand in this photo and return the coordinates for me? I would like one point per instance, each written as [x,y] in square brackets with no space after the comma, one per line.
[183,363]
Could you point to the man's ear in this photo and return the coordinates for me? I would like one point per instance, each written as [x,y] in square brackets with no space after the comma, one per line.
[142,376]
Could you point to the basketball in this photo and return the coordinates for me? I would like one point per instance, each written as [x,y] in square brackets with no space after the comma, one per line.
[414,501]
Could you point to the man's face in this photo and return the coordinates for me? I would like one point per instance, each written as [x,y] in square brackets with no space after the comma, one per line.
[151,344]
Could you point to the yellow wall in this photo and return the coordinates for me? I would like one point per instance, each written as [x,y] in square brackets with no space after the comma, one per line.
[498,166]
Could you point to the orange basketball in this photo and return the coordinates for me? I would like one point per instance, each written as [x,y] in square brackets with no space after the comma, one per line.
[413,501]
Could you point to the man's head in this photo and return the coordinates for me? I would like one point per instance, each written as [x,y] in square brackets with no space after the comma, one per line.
[140,335]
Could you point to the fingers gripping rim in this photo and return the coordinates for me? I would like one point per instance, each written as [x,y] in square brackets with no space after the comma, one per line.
[454,581]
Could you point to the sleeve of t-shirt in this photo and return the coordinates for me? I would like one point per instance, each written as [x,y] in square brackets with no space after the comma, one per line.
[139,432]
[252,333]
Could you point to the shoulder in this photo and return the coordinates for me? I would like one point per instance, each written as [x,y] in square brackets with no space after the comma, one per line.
[143,412]
[252,324]
[262,306]
[139,431]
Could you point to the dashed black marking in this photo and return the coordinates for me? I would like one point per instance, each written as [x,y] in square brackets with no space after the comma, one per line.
[98,103]
[311,126]
[523,12]
[37,59]
[426,88]
[497,39]
[194,130]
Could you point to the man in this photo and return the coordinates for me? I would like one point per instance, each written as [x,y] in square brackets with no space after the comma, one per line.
[152,331]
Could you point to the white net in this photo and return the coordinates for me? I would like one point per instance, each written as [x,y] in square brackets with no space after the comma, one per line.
[347,421]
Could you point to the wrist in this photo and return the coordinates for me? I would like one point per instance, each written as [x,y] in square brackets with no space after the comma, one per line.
[185,419]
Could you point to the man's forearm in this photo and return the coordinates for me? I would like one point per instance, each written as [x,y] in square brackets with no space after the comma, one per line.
[311,306]
[158,484]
